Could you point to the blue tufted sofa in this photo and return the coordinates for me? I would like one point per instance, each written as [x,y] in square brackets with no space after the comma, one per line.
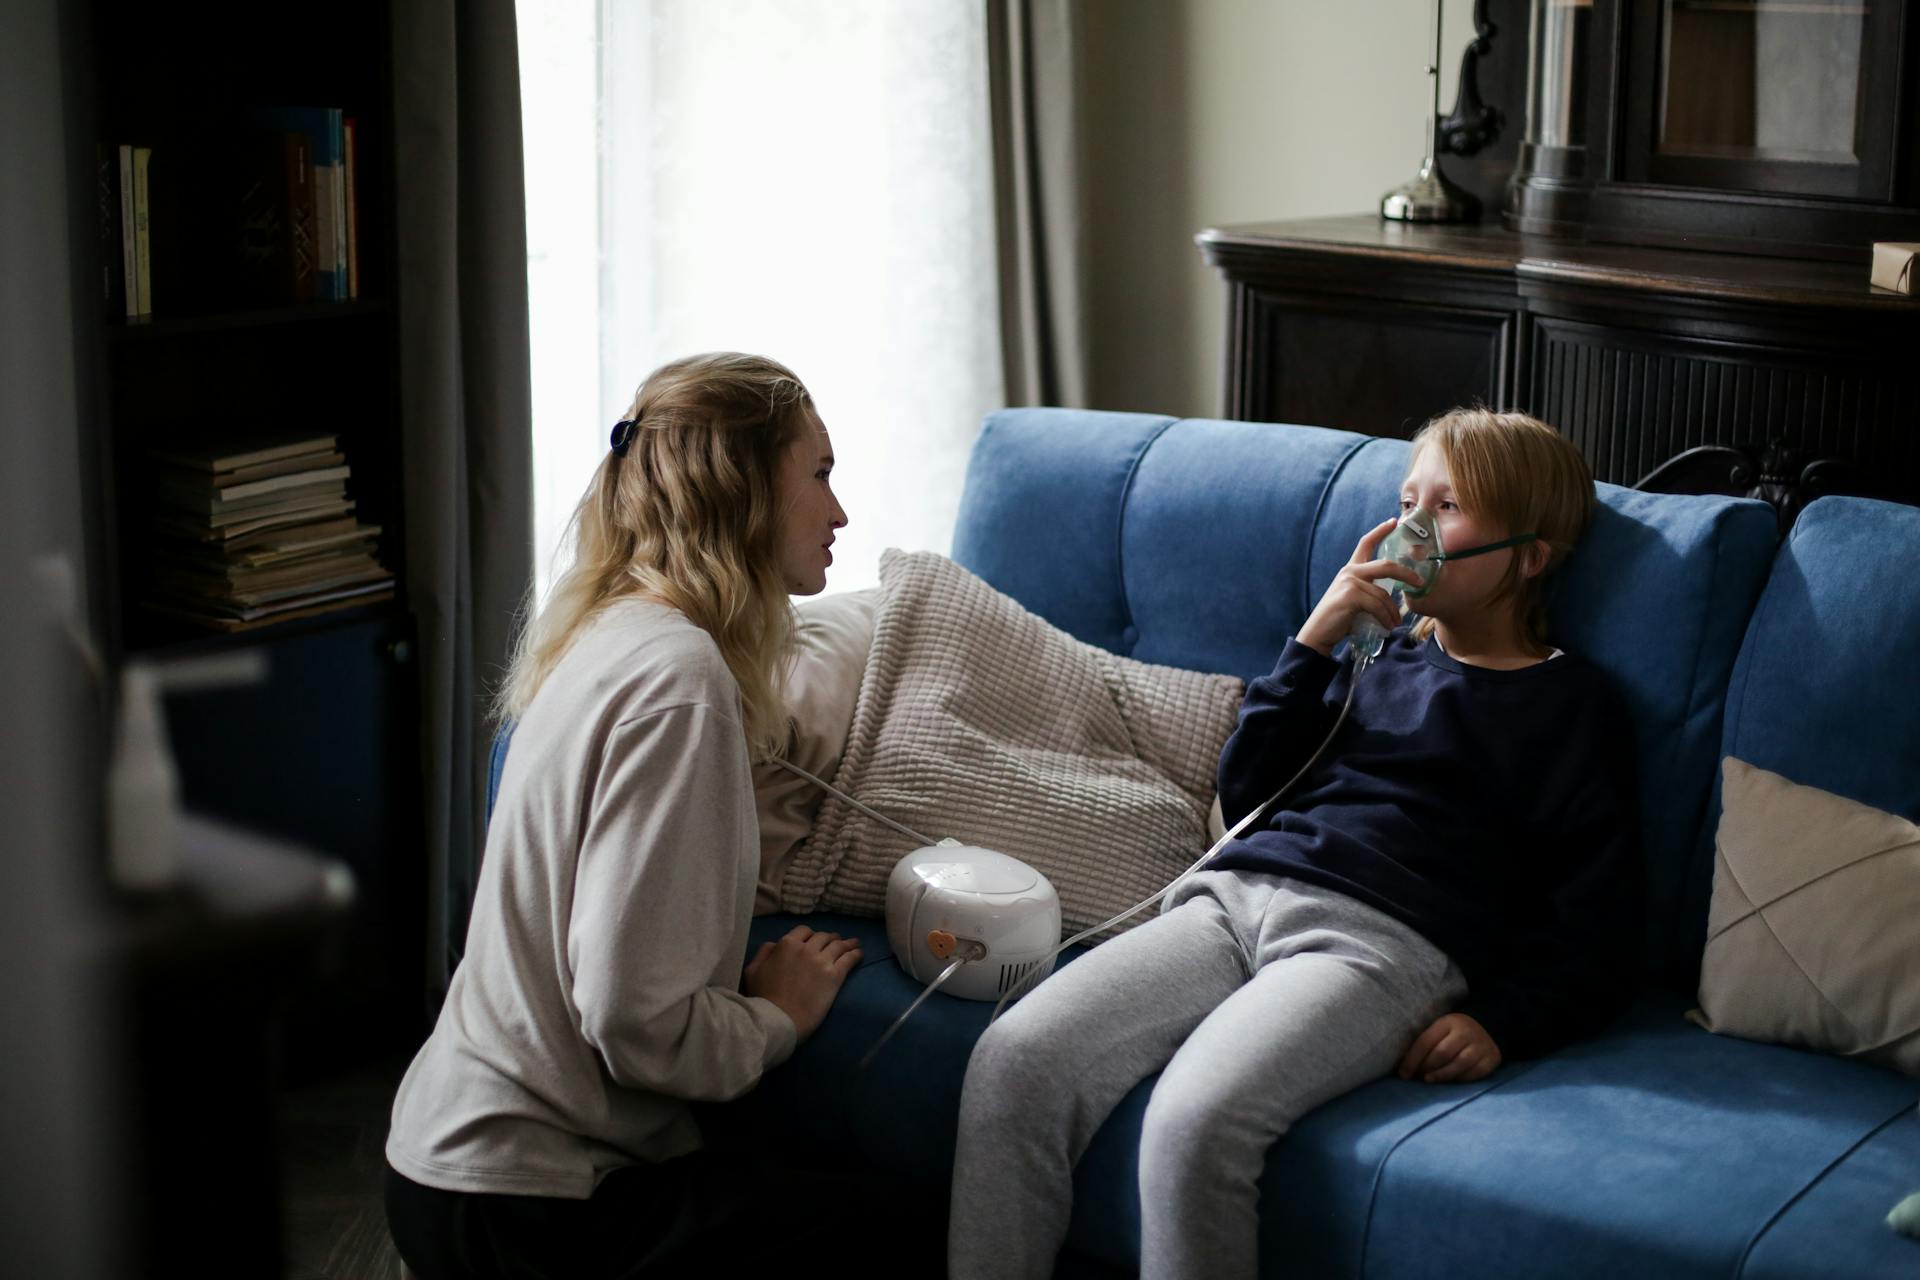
[1655,1149]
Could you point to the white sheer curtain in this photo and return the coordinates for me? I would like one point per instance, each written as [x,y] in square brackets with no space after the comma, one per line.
[808,179]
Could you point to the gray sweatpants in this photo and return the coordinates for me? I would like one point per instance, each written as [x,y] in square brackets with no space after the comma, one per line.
[1261,997]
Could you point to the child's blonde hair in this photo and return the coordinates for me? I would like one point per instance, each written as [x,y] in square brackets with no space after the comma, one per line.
[1517,475]
[689,517]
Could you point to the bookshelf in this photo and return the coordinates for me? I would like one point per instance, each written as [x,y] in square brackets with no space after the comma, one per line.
[323,752]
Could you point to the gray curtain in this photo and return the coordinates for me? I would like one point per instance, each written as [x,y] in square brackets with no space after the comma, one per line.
[1039,181]
[466,408]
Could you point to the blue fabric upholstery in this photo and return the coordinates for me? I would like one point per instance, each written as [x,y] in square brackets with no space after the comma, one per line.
[1213,563]
[1821,1232]
[497,764]
[1829,657]
[1654,1150]
[1019,525]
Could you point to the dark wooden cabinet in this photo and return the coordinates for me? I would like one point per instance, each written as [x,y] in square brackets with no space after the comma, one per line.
[1746,126]
[1635,354]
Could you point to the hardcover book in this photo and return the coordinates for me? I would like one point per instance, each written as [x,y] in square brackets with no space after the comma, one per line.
[129,243]
[276,214]
[107,219]
[322,127]
[142,232]
[348,128]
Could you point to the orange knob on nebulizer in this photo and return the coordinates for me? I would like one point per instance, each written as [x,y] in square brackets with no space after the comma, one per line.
[941,943]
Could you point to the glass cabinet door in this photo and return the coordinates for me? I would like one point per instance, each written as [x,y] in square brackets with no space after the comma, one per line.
[1765,96]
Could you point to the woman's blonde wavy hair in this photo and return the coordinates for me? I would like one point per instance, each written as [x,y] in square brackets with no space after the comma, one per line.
[1518,475]
[690,517]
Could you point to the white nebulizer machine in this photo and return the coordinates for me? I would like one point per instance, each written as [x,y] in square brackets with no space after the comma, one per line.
[986,926]
[985,922]
[992,914]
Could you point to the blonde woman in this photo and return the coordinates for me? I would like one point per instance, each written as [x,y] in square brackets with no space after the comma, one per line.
[545,1129]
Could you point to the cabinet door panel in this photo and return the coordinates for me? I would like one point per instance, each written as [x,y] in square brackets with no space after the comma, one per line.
[1379,369]
[1631,399]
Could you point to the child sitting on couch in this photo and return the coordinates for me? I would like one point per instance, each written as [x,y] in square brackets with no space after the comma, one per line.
[1455,883]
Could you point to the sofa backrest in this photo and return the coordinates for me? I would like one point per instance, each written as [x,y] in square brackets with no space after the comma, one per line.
[1204,544]
[1824,691]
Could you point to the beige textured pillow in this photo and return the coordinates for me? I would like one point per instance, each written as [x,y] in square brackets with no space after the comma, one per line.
[1813,938]
[979,720]
[822,682]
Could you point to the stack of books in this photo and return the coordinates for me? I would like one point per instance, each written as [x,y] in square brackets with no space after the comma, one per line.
[259,531]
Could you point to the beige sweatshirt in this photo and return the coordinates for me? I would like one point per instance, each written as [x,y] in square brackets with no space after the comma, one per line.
[600,986]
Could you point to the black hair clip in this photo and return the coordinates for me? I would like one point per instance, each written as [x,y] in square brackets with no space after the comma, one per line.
[622,436]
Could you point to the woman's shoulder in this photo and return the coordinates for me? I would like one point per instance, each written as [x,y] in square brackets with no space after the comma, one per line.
[640,656]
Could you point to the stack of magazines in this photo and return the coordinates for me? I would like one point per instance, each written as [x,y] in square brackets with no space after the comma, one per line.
[253,532]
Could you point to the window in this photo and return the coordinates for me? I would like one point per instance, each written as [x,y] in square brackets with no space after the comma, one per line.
[808,179]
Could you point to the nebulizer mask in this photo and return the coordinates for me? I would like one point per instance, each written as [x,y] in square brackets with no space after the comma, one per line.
[1415,545]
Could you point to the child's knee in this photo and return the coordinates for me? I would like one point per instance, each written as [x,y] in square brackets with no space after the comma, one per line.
[1188,1134]
[1019,1045]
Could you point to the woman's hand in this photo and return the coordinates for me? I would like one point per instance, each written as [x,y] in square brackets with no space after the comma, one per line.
[801,974]
[1455,1047]
[1352,593]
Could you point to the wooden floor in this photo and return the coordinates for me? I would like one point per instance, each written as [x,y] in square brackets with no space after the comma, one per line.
[333,1136]
[333,1159]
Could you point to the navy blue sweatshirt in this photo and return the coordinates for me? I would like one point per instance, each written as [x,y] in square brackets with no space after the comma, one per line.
[1492,811]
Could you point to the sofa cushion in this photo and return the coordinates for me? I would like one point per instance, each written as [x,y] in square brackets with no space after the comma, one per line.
[977,719]
[1824,691]
[1213,541]
[1655,1149]
[821,685]
[1801,1241]
[1020,527]
[1811,938]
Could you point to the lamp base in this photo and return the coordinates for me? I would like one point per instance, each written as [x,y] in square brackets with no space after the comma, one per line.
[1429,198]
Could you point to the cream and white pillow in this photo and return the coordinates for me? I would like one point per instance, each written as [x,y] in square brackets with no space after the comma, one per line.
[822,683]
[979,720]
[1813,938]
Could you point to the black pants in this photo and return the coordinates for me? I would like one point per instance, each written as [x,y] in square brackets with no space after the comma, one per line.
[685,1217]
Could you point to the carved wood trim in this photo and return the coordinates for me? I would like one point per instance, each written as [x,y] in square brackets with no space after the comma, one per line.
[1785,477]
